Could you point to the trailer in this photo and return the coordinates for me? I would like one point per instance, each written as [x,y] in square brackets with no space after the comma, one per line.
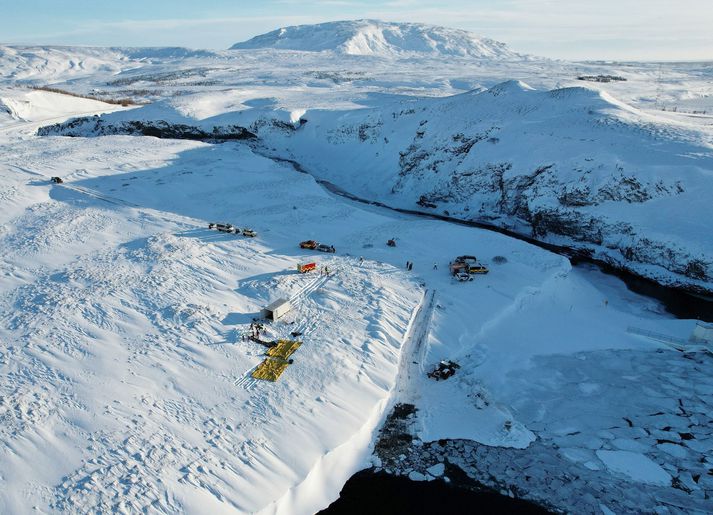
[277,309]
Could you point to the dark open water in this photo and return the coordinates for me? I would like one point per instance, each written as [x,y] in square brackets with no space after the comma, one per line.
[370,493]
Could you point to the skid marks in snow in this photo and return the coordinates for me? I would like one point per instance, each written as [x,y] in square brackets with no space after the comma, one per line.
[106,198]
[314,285]
[247,381]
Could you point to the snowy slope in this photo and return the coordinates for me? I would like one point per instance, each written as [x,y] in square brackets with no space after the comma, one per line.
[571,166]
[59,63]
[126,378]
[47,64]
[35,106]
[126,315]
[379,38]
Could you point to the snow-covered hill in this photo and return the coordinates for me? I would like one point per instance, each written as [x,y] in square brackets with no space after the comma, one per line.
[37,105]
[48,64]
[379,38]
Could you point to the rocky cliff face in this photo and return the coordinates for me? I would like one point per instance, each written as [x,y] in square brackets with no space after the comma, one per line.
[98,126]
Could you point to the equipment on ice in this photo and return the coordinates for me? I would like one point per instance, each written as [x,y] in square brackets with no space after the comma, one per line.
[56,180]
[462,276]
[308,244]
[277,360]
[391,242]
[249,233]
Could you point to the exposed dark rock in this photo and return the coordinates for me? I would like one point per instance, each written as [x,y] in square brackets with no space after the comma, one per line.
[96,126]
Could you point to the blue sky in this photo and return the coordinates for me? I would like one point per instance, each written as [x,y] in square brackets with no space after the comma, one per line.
[569,29]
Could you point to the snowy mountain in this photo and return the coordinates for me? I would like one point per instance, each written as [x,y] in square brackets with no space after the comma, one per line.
[379,38]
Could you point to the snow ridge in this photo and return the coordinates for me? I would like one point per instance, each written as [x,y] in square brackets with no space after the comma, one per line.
[379,38]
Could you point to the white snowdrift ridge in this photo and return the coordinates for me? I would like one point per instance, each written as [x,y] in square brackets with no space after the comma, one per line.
[379,38]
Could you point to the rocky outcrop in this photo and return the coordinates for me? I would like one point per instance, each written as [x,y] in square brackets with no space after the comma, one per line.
[97,126]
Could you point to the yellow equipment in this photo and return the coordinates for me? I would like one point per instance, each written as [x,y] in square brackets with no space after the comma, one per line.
[276,362]
[284,349]
[270,369]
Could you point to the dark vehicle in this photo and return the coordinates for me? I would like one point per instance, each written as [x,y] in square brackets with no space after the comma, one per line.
[308,244]
[325,248]
[57,180]
[391,243]
[444,370]
[249,233]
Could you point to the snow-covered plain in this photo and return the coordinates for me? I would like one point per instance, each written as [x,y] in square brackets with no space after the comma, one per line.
[125,375]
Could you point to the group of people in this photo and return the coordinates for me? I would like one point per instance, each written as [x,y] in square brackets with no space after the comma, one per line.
[255,328]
